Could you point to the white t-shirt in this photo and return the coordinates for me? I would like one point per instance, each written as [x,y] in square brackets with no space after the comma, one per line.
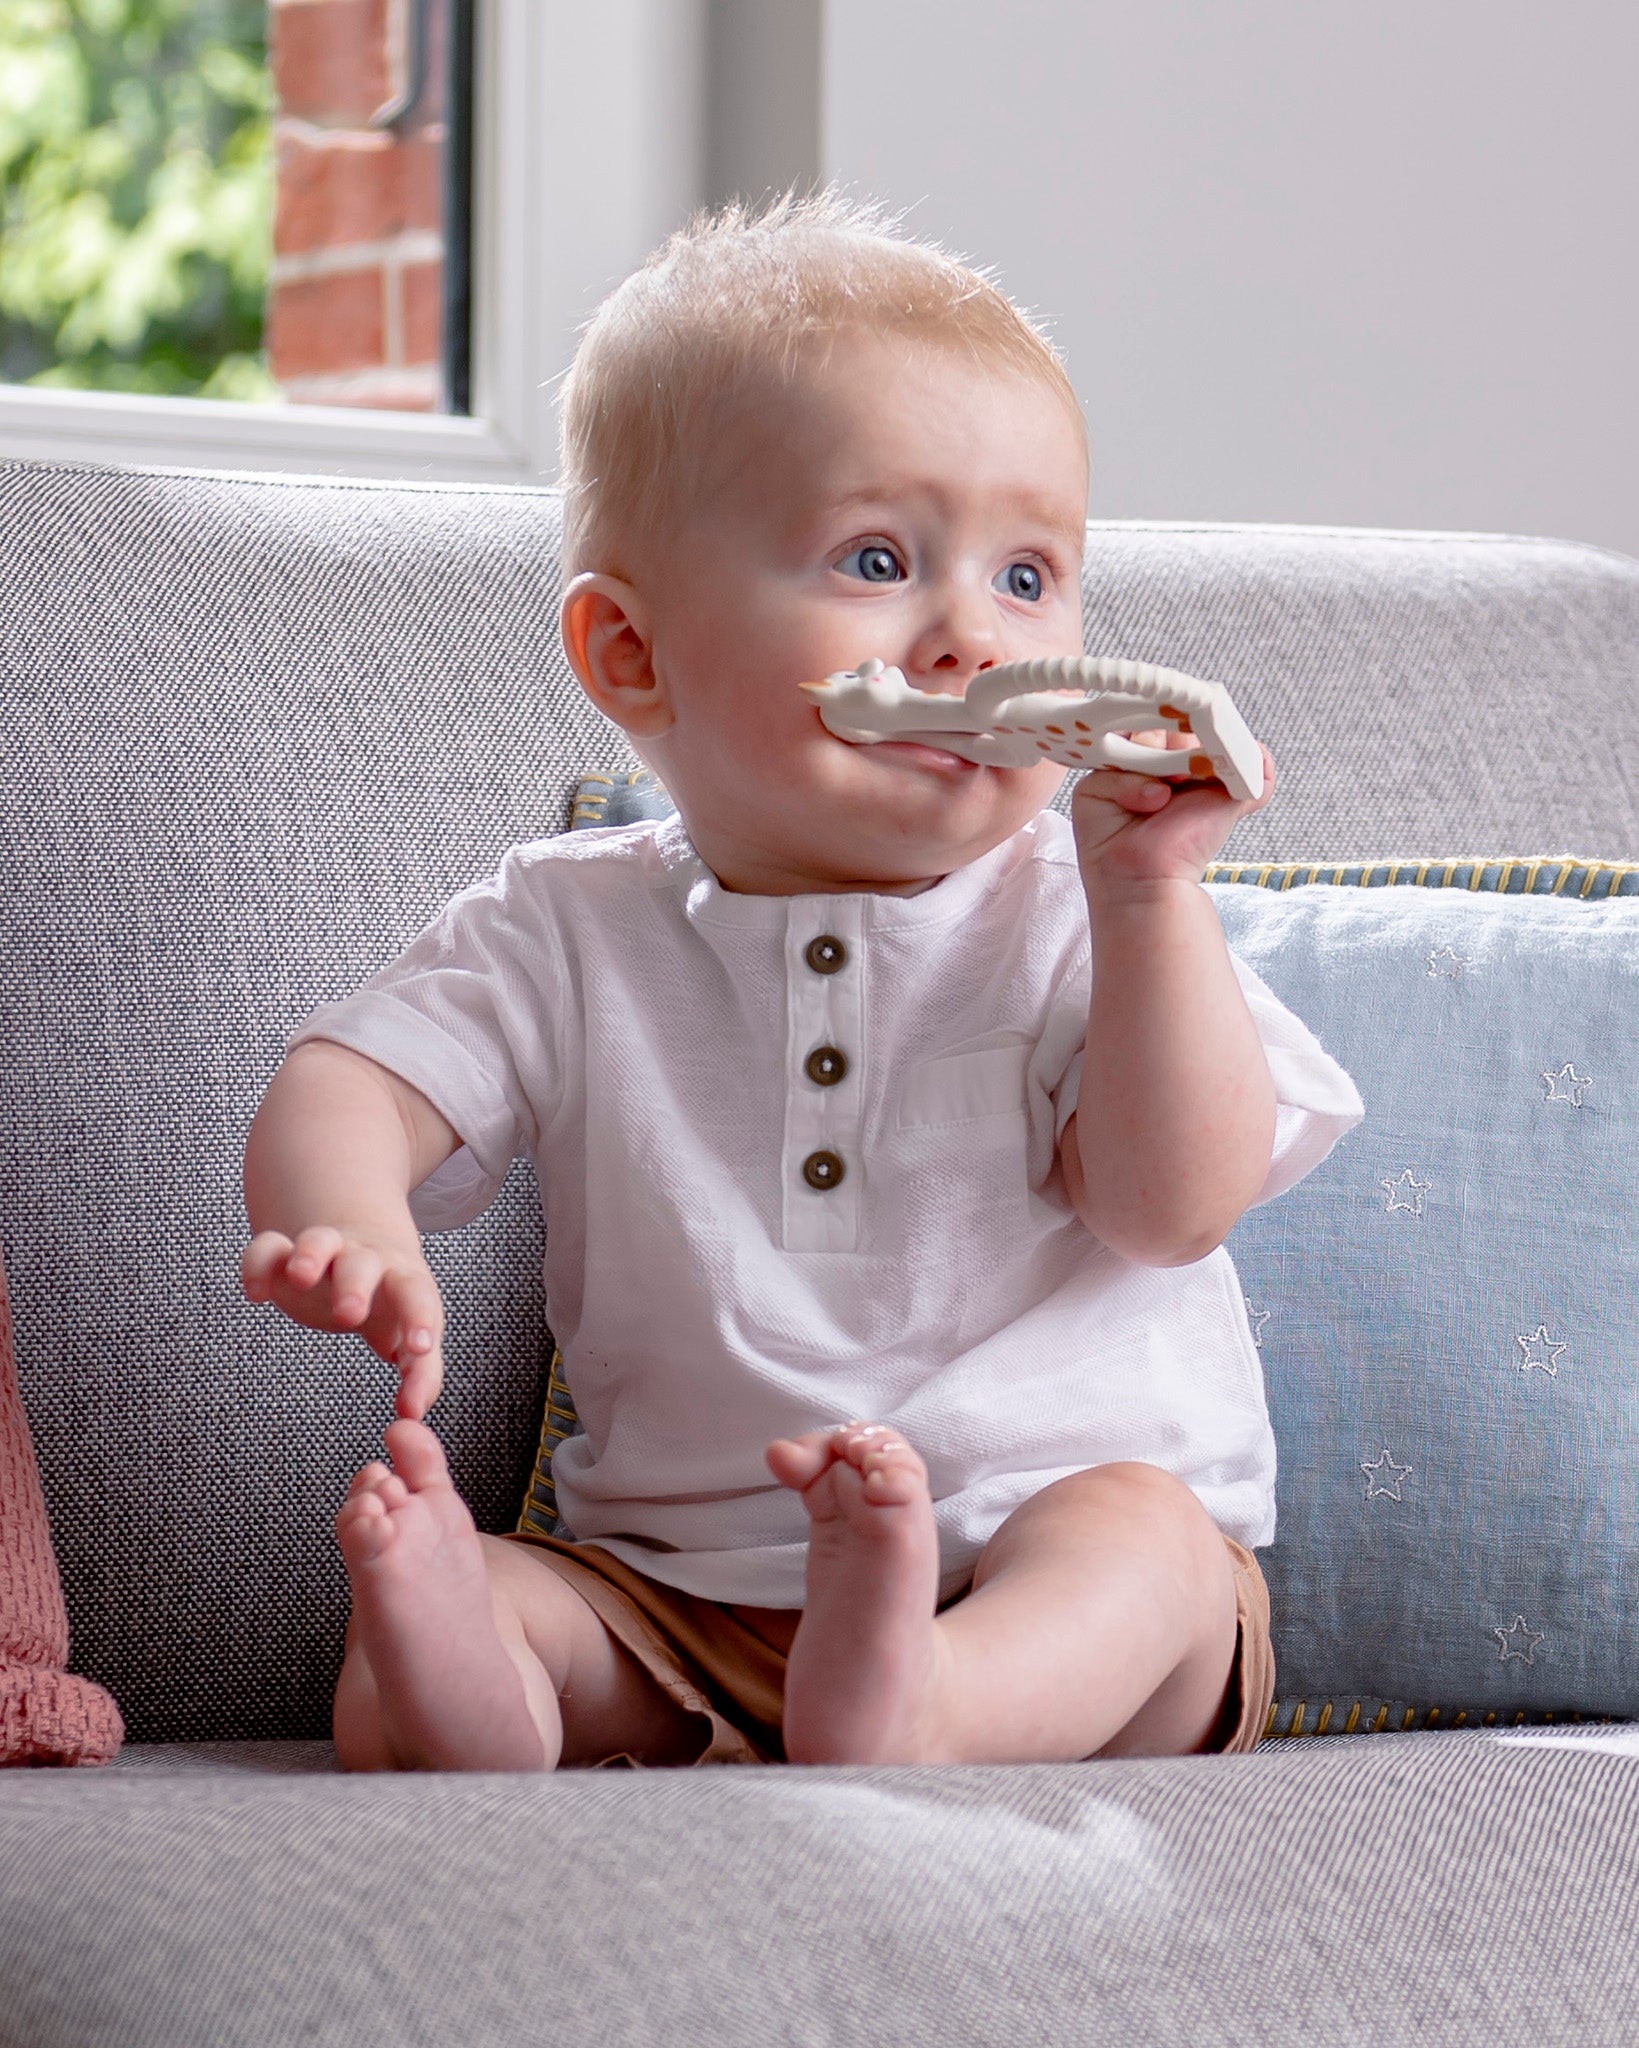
[646,1037]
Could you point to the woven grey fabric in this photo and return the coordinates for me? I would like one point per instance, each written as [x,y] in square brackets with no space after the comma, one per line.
[255,1759]
[1423,694]
[258,728]
[1436,1889]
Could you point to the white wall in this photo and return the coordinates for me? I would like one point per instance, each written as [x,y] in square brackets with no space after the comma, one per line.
[1357,265]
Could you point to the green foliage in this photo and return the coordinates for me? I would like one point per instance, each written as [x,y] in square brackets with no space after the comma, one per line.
[136,195]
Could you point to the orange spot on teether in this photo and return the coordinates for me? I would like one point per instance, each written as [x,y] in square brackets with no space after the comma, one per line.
[1202,764]
[1045,745]
[1172,711]
[1058,730]
[1082,726]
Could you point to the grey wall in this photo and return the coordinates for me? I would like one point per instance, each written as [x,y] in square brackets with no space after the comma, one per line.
[1355,265]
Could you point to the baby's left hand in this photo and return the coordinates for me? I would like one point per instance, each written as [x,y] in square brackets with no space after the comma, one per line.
[1133,828]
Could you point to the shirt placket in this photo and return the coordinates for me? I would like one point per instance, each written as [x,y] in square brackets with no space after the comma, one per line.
[822,1163]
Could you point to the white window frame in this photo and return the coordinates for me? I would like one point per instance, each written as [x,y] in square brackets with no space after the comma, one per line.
[588,146]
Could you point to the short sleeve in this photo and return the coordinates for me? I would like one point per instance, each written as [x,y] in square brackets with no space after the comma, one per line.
[463,1014]
[1315,1100]
[454,1193]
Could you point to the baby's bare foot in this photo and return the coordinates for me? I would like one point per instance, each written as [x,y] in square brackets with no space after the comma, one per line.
[451,1698]
[864,1673]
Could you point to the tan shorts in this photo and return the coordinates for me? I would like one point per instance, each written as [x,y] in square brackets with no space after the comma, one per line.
[714,1665]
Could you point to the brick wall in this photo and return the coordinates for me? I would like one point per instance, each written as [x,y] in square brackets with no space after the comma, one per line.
[353,314]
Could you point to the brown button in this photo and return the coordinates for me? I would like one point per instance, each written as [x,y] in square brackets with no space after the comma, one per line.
[823,1170]
[826,954]
[826,1065]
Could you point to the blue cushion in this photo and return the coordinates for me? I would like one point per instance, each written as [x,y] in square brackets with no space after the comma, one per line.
[1448,1307]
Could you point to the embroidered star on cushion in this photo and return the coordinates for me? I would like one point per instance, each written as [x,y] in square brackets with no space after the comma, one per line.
[1406,1193]
[1517,1640]
[1377,1483]
[1575,1086]
[1540,1340]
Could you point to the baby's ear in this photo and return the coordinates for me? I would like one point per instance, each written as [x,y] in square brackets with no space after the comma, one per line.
[606,637]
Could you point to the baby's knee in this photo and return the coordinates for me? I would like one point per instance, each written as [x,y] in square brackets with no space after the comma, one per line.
[524,1589]
[1175,1522]
[1154,1492]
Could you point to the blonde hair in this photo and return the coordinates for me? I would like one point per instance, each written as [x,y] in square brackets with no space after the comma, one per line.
[733,297]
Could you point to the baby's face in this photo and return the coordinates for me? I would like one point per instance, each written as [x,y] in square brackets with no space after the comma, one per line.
[899,501]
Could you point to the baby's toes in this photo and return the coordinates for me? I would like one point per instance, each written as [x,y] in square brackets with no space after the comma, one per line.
[797,1461]
[890,1471]
[382,1484]
[364,1529]
[368,1478]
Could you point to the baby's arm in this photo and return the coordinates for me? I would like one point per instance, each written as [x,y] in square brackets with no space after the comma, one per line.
[333,1153]
[1175,1116]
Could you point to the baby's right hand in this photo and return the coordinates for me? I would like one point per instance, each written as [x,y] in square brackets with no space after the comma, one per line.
[330,1281]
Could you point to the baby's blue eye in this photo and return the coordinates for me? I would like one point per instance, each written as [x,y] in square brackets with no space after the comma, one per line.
[873,563]
[1022,579]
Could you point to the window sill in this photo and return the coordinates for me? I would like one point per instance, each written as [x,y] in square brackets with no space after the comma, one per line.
[110,427]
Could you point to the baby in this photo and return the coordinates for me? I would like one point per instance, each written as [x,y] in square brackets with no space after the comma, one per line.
[888,1125]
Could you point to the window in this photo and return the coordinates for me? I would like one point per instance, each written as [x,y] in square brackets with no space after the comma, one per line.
[585,142]
[222,199]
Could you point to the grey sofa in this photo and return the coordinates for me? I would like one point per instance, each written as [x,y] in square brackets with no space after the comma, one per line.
[255,729]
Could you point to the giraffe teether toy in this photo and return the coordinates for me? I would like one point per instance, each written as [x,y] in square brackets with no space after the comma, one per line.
[1073,711]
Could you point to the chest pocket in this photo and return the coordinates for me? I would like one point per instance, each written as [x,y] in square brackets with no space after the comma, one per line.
[962,1087]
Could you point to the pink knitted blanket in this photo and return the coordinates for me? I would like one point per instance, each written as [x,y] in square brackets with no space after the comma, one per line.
[47,1716]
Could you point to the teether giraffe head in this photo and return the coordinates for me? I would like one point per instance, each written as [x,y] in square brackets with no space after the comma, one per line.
[1074,711]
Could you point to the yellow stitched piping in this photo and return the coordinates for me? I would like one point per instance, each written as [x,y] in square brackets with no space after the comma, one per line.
[540,1508]
[1411,1717]
[1468,872]
[590,805]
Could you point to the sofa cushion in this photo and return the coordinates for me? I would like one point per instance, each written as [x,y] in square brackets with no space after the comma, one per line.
[1448,1306]
[1449,1889]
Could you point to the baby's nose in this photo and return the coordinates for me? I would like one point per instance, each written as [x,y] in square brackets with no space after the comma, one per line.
[958,638]
[949,676]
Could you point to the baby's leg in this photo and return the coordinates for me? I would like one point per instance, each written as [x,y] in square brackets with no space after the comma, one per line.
[1101,1619]
[460,1644]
